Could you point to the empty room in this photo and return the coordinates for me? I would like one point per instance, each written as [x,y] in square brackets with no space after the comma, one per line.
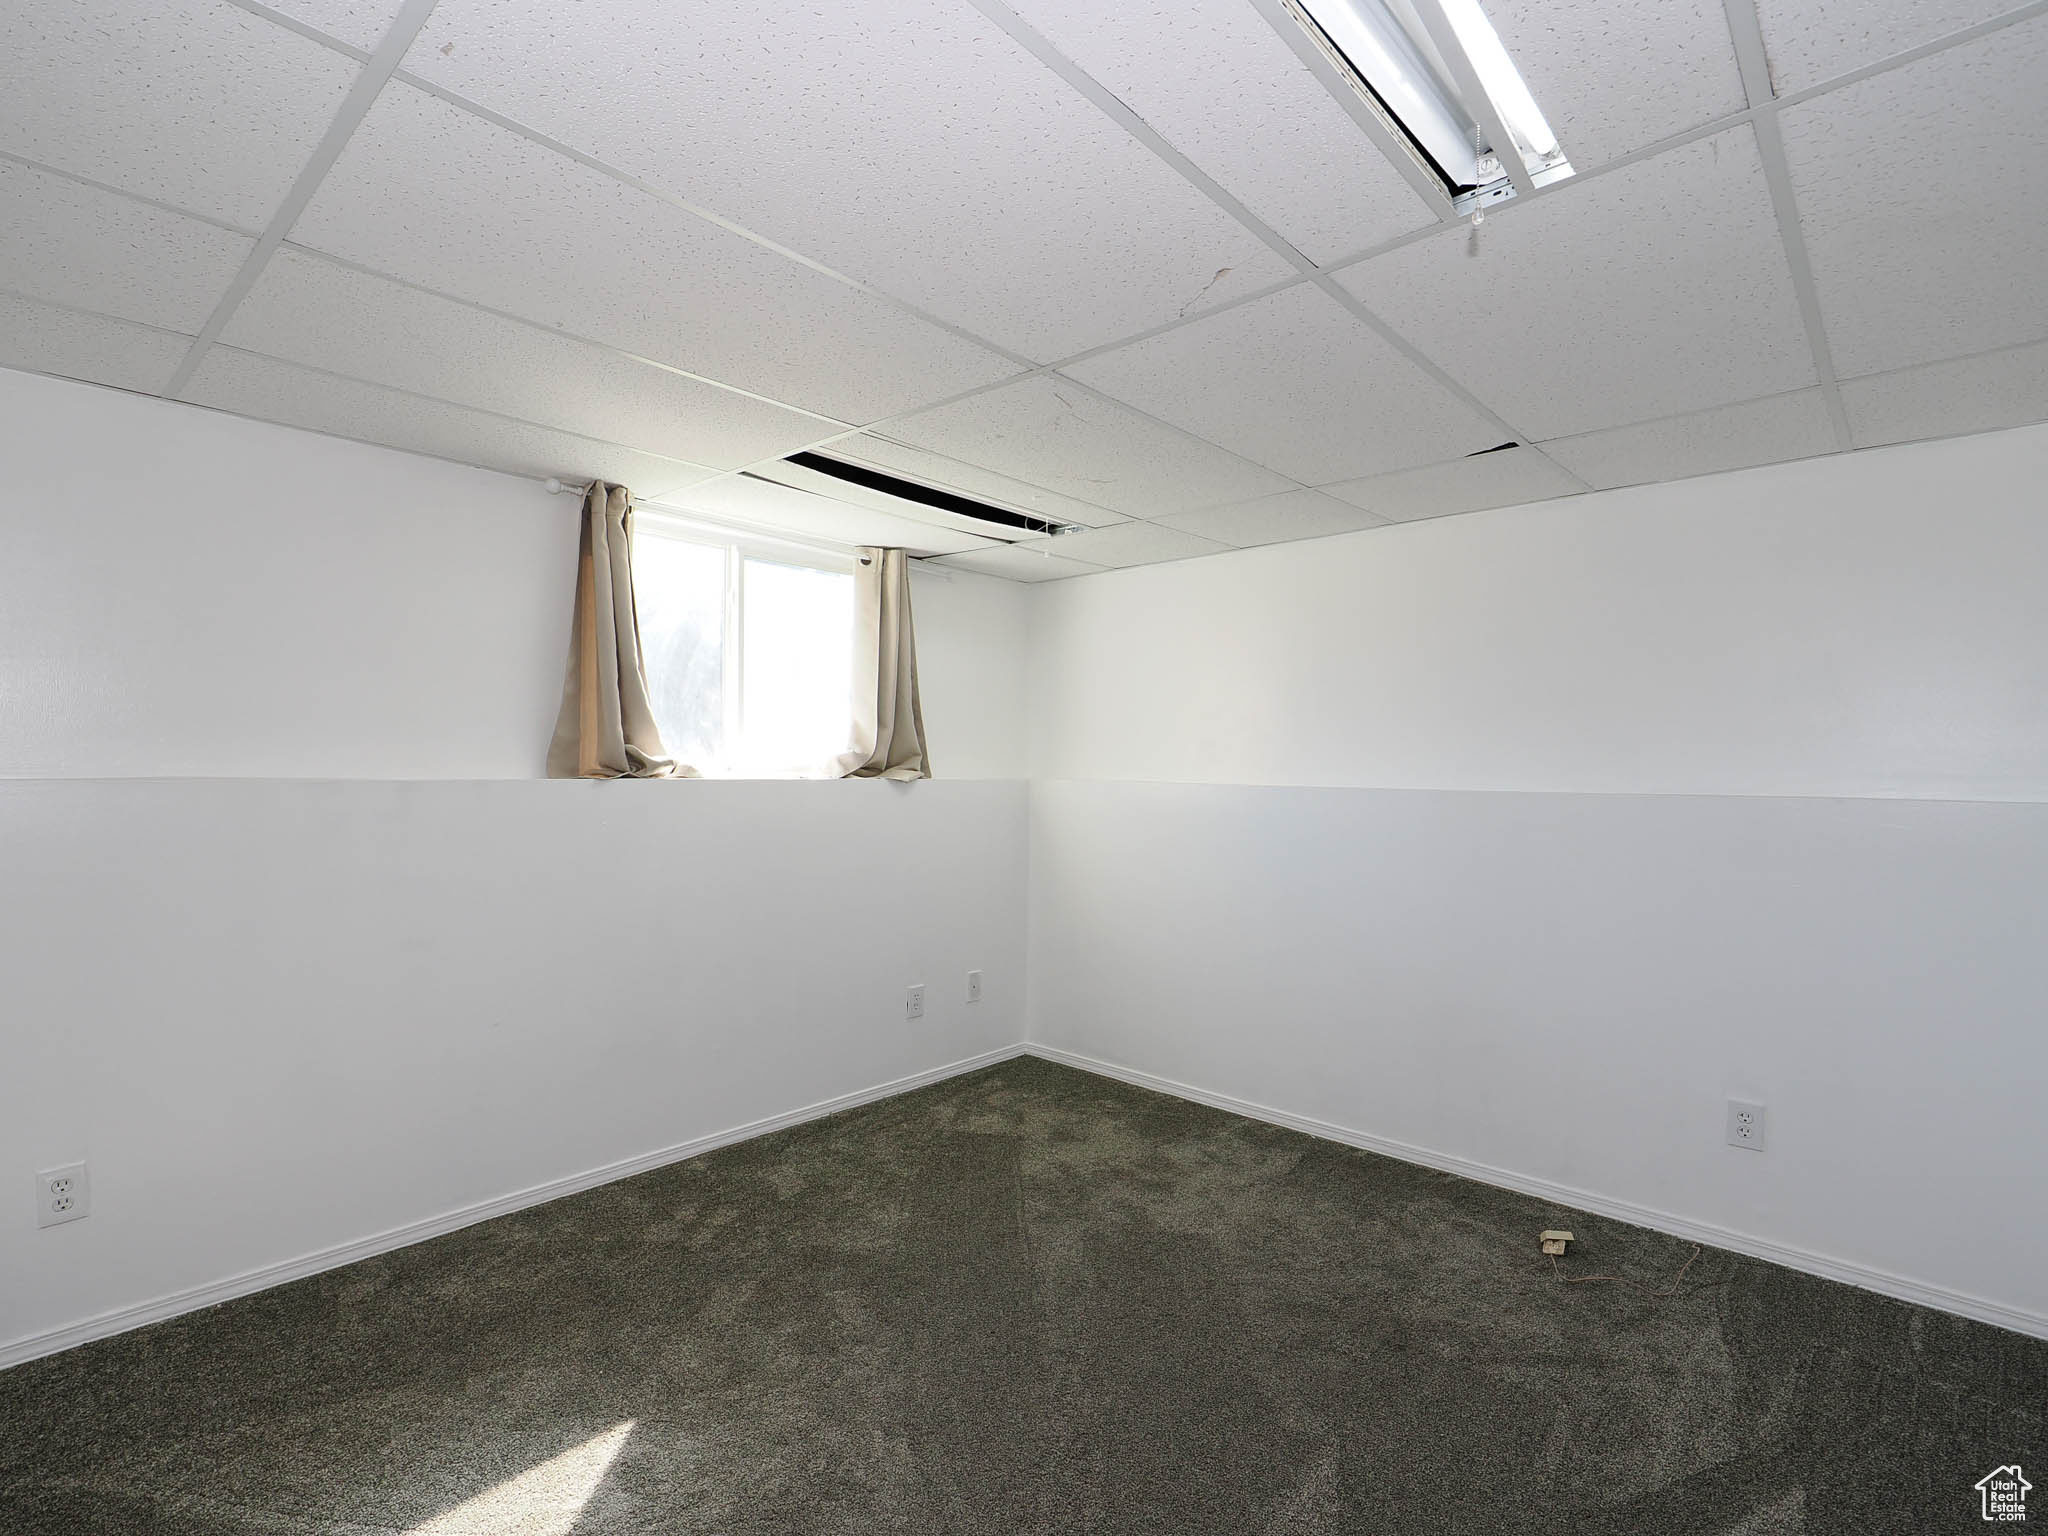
[1020,767]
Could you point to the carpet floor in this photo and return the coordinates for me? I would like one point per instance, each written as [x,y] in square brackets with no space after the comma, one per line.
[1029,1300]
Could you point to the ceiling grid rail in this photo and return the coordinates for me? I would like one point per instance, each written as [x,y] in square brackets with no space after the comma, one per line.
[383,64]
[1751,59]
[1113,107]
[1277,14]
[1028,368]
[355,106]
[1713,125]
[1282,17]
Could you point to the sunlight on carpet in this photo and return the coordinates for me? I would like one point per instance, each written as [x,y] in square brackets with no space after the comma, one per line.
[543,1501]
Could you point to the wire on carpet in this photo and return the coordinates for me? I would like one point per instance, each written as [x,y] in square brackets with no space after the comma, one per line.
[1634,1285]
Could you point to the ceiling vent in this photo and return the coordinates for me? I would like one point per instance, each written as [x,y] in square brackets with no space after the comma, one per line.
[861,486]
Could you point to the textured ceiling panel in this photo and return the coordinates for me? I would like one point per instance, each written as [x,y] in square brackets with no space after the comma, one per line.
[438,197]
[1771,431]
[911,145]
[1614,76]
[1013,564]
[1219,84]
[758,503]
[191,102]
[1504,479]
[45,339]
[935,469]
[1810,41]
[358,22]
[1129,544]
[1640,324]
[77,245]
[1657,288]
[1966,394]
[272,391]
[1923,192]
[1070,440]
[1298,383]
[1274,519]
[310,311]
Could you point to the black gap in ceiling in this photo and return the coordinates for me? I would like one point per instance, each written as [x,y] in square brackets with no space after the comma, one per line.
[924,495]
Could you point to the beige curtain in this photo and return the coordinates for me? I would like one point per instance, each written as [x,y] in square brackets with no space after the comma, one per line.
[606,728]
[888,722]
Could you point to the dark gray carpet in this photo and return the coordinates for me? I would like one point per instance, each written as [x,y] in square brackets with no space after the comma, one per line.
[1029,1300]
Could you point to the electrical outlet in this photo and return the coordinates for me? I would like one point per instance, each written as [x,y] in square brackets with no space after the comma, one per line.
[63,1194]
[974,986]
[913,1002]
[1746,1124]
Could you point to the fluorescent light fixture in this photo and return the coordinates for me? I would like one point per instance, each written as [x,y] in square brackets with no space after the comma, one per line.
[1439,74]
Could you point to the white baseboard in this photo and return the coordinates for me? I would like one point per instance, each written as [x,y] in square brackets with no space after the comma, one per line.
[123,1319]
[1882,1281]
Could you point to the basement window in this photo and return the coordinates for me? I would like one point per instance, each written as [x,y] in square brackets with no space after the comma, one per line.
[1438,75]
[748,650]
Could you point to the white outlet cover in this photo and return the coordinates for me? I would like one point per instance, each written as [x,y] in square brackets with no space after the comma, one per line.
[1748,1122]
[913,1002]
[974,986]
[63,1194]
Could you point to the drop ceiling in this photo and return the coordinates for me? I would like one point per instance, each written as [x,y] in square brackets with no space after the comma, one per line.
[1122,264]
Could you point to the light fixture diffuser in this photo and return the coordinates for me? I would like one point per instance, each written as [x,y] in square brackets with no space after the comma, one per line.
[1439,75]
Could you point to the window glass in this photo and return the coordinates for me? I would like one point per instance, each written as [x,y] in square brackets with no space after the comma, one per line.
[679,588]
[749,660]
[796,657]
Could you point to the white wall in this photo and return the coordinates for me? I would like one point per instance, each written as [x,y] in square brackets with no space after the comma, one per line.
[186,593]
[278,1016]
[1566,989]
[1871,624]
[971,671]
[285,911]
[372,1002]
[1598,846]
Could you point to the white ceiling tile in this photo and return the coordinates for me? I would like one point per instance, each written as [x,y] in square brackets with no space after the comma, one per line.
[78,245]
[437,196]
[1965,394]
[1657,288]
[1213,79]
[1794,426]
[1274,519]
[1811,41]
[361,23]
[1128,544]
[1020,564]
[930,468]
[192,102]
[783,509]
[45,339]
[1507,478]
[913,146]
[1062,436]
[1923,193]
[1613,76]
[273,391]
[1296,382]
[306,310]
